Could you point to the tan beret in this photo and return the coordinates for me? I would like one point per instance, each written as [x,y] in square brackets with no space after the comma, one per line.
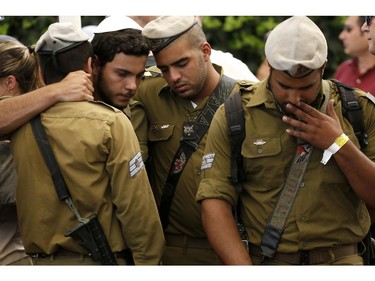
[166,29]
[296,46]
[59,36]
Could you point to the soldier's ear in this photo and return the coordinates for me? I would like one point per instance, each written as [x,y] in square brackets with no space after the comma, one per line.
[95,65]
[89,66]
[206,50]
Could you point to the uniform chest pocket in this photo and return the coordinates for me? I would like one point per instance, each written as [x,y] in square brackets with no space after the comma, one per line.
[258,147]
[160,131]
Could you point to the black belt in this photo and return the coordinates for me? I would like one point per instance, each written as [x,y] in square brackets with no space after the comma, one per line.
[177,240]
[67,253]
[315,256]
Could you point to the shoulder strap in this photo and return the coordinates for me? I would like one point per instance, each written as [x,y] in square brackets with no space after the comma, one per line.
[352,111]
[51,162]
[236,131]
[275,227]
[47,153]
[187,147]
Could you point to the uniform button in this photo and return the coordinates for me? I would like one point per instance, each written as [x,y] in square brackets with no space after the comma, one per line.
[303,218]
[358,81]
[304,244]
[302,184]
[260,150]
[198,172]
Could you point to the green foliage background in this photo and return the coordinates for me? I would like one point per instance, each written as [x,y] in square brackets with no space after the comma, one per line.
[243,36]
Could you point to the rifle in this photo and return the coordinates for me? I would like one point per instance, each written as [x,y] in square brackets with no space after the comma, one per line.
[91,236]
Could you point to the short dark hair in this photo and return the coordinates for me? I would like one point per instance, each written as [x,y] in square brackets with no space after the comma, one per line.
[128,41]
[56,67]
[361,20]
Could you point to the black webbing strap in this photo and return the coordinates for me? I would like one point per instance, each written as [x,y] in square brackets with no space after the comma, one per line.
[352,111]
[236,130]
[49,157]
[187,147]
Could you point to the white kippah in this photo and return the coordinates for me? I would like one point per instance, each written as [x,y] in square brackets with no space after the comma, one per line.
[296,46]
[115,23]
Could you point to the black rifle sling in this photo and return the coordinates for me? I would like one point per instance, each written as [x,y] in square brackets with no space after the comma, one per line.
[187,147]
[236,131]
[352,111]
[49,158]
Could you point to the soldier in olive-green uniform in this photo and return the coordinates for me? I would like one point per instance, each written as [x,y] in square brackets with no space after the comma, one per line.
[119,63]
[293,114]
[168,107]
[99,156]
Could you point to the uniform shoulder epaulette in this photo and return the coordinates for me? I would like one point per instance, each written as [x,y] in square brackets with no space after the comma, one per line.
[153,71]
[245,83]
[106,105]
[370,97]
[247,88]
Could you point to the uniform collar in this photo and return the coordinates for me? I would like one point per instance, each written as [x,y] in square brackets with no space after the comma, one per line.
[262,96]
[127,110]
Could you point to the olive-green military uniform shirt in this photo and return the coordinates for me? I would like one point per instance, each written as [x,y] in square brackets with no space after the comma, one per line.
[8,182]
[158,120]
[326,211]
[99,157]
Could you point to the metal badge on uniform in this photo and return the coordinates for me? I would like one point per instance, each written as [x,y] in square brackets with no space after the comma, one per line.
[258,142]
[189,132]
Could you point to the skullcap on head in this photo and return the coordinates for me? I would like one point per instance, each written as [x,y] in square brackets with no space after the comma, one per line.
[296,46]
[115,23]
[166,29]
[60,36]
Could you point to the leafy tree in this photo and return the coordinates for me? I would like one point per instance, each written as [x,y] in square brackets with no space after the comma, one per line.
[28,29]
[243,36]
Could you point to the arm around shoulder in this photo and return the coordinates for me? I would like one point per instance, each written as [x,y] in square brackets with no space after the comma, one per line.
[16,111]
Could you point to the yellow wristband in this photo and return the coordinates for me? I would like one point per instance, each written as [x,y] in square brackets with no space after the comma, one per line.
[339,142]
